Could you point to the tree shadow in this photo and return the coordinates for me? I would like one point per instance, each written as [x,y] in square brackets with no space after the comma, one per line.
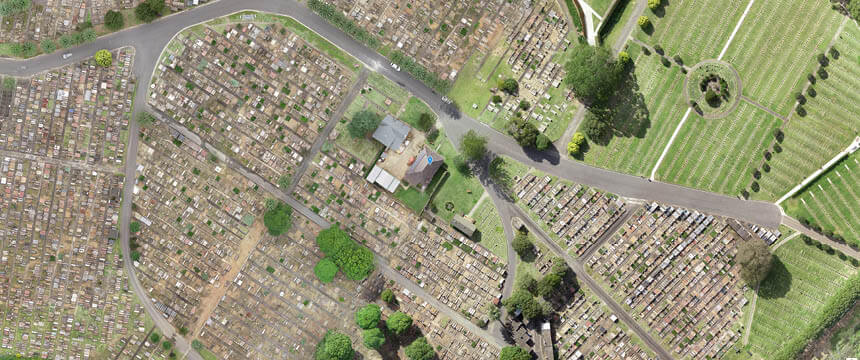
[629,114]
[550,154]
[393,342]
[778,281]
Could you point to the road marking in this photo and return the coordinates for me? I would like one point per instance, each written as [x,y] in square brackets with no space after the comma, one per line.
[737,27]
[671,140]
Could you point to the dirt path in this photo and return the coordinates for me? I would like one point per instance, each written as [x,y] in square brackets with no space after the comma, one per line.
[210,300]
[821,345]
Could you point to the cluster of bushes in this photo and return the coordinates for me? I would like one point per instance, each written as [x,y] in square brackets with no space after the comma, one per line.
[531,295]
[829,233]
[77,38]
[354,260]
[12,7]
[421,73]
[336,18]
[836,306]
[367,318]
[576,144]
[25,49]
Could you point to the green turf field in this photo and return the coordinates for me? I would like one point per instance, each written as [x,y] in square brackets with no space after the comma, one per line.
[694,29]
[829,127]
[661,89]
[782,37]
[831,201]
[795,292]
[492,234]
[719,155]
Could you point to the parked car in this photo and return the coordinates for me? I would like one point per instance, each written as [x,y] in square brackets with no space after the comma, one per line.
[67,55]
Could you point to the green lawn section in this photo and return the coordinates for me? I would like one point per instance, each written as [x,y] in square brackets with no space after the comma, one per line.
[799,286]
[600,6]
[382,89]
[695,29]
[416,199]
[413,110]
[719,155]
[490,230]
[461,190]
[661,92]
[776,47]
[832,200]
[471,88]
[829,127]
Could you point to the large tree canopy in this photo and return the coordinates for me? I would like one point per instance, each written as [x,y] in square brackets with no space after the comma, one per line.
[373,338]
[368,316]
[149,10]
[523,131]
[420,350]
[334,346]
[354,260]
[325,270]
[755,260]
[473,145]
[398,322]
[514,353]
[592,73]
[114,20]
[523,300]
[278,219]
[521,244]
[363,122]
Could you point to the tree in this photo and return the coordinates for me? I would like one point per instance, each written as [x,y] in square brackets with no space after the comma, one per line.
[643,22]
[509,86]
[560,267]
[592,74]
[755,260]
[355,261]
[525,105]
[473,145]
[88,35]
[548,284]
[542,142]
[373,338]
[48,46]
[514,353]
[574,147]
[525,302]
[114,20]
[854,9]
[596,125]
[325,270]
[134,227]
[388,296]
[24,49]
[527,282]
[496,99]
[145,119]
[363,122]
[368,316]
[624,58]
[149,10]
[155,337]
[398,322]
[334,346]
[426,122]
[420,350]
[278,220]
[521,244]
[523,131]
[104,58]
[653,4]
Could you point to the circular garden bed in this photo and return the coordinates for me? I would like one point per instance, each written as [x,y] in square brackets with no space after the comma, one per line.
[713,88]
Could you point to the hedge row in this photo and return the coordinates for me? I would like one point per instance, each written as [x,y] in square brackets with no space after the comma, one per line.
[336,18]
[834,309]
[421,73]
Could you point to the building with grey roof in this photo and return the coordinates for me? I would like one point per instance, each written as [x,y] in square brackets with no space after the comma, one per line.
[391,132]
[425,166]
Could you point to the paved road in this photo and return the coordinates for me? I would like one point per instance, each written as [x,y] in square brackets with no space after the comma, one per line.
[585,279]
[149,39]
[796,225]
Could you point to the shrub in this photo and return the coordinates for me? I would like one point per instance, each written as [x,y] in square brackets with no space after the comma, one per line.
[509,86]
[149,10]
[426,122]
[12,7]
[24,49]
[155,337]
[497,99]
[114,20]
[104,58]
[643,22]
[48,46]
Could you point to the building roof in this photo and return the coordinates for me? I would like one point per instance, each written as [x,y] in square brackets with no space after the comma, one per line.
[391,132]
[463,225]
[421,172]
[383,178]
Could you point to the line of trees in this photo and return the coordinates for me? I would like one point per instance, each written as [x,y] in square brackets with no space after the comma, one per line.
[421,73]
[12,7]
[336,18]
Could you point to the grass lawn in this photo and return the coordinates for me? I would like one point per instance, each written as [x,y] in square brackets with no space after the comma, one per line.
[383,89]
[365,149]
[829,127]
[832,200]
[468,89]
[719,155]
[783,37]
[492,234]
[694,29]
[416,199]
[795,292]
[600,6]
[611,30]
[413,110]
[661,92]
[461,190]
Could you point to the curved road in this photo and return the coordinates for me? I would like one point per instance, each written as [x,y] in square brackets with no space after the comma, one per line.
[148,40]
